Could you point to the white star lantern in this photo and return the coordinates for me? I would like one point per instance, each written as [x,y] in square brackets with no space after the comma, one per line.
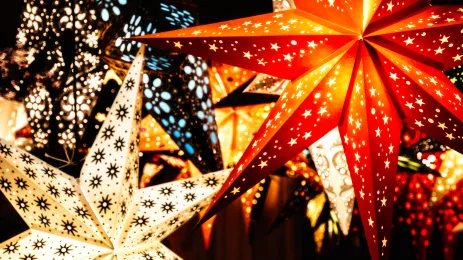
[330,162]
[103,215]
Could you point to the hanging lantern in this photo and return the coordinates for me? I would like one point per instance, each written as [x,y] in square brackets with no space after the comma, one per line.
[330,162]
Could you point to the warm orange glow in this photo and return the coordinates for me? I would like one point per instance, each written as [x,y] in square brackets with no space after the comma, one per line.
[154,138]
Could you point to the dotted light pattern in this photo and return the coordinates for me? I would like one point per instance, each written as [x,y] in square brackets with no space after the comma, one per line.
[39,31]
[449,216]
[146,20]
[87,88]
[139,25]
[39,106]
[177,18]
[34,28]
[103,215]
[182,105]
[40,109]
[412,195]
[364,72]
[40,25]
[110,9]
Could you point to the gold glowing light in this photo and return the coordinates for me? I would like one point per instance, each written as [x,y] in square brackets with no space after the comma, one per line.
[236,128]
[154,138]
[226,78]
[451,171]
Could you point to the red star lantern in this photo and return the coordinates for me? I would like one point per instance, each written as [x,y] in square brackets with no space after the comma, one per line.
[449,216]
[364,66]
[412,195]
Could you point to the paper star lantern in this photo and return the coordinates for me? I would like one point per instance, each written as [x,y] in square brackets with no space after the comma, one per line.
[44,27]
[236,124]
[65,36]
[236,128]
[141,18]
[182,104]
[265,84]
[330,162]
[103,215]
[226,78]
[184,112]
[39,106]
[364,66]
[412,195]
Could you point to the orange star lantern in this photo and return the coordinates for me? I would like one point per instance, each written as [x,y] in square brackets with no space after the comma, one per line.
[236,127]
[226,78]
[154,138]
[364,66]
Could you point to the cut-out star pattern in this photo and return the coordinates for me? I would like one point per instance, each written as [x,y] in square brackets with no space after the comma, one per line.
[98,217]
[351,68]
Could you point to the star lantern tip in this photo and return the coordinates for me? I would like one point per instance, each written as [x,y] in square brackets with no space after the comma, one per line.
[329,159]
[298,52]
[364,46]
[114,153]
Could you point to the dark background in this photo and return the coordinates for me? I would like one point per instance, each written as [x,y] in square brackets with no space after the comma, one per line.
[209,11]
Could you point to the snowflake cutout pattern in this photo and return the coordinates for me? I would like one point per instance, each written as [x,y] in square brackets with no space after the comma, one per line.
[41,25]
[139,25]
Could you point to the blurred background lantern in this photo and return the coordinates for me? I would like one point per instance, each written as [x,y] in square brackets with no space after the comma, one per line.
[330,162]
[237,126]
[182,104]
[266,84]
[154,138]
[451,171]
[226,78]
